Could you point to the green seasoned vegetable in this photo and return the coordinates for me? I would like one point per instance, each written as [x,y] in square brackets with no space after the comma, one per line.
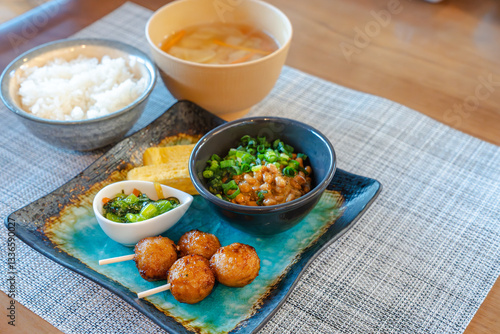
[136,207]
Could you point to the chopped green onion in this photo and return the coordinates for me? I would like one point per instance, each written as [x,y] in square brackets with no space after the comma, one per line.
[302,169]
[283,161]
[245,168]
[208,173]
[245,139]
[234,194]
[260,195]
[227,163]
[270,156]
[250,155]
[231,185]
[280,147]
[235,170]
[294,164]
[284,156]
[302,155]
[289,171]
[276,143]
[256,168]
[245,157]
[214,165]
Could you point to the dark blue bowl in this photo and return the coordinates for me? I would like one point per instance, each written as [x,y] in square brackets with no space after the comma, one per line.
[265,220]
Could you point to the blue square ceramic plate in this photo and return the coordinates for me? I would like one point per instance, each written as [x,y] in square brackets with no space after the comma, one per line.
[62,226]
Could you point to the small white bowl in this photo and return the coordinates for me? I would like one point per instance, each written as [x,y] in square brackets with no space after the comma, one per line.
[130,234]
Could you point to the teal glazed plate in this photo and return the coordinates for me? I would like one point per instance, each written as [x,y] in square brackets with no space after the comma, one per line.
[62,226]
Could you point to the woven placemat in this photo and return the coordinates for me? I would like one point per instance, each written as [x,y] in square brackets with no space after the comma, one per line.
[421,260]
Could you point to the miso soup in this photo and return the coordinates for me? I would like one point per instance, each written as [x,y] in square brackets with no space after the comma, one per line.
[219,43]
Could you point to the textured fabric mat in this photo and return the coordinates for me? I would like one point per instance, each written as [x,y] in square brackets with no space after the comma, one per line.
[421,260]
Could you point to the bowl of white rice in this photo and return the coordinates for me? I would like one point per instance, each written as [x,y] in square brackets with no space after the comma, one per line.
[79,94]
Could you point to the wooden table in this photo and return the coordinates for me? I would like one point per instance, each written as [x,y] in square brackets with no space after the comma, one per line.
[442,60]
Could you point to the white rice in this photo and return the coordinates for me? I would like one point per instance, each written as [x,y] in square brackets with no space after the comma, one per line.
[82,88]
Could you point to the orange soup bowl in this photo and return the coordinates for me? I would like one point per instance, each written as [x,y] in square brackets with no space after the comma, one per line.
[228,90]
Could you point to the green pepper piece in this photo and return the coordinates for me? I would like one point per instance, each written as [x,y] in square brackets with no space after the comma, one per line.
[149,211]
[130,199]
[163,206]
[133,218]
[111,216]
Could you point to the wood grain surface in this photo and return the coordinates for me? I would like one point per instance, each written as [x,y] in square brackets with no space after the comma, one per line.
[442,60]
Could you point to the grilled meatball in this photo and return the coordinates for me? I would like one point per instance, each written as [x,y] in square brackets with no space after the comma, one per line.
[197,242]
[235,265]
[191,279]
[154,256]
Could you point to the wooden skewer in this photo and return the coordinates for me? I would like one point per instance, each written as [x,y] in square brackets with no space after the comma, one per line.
[153,291]
[117,259]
